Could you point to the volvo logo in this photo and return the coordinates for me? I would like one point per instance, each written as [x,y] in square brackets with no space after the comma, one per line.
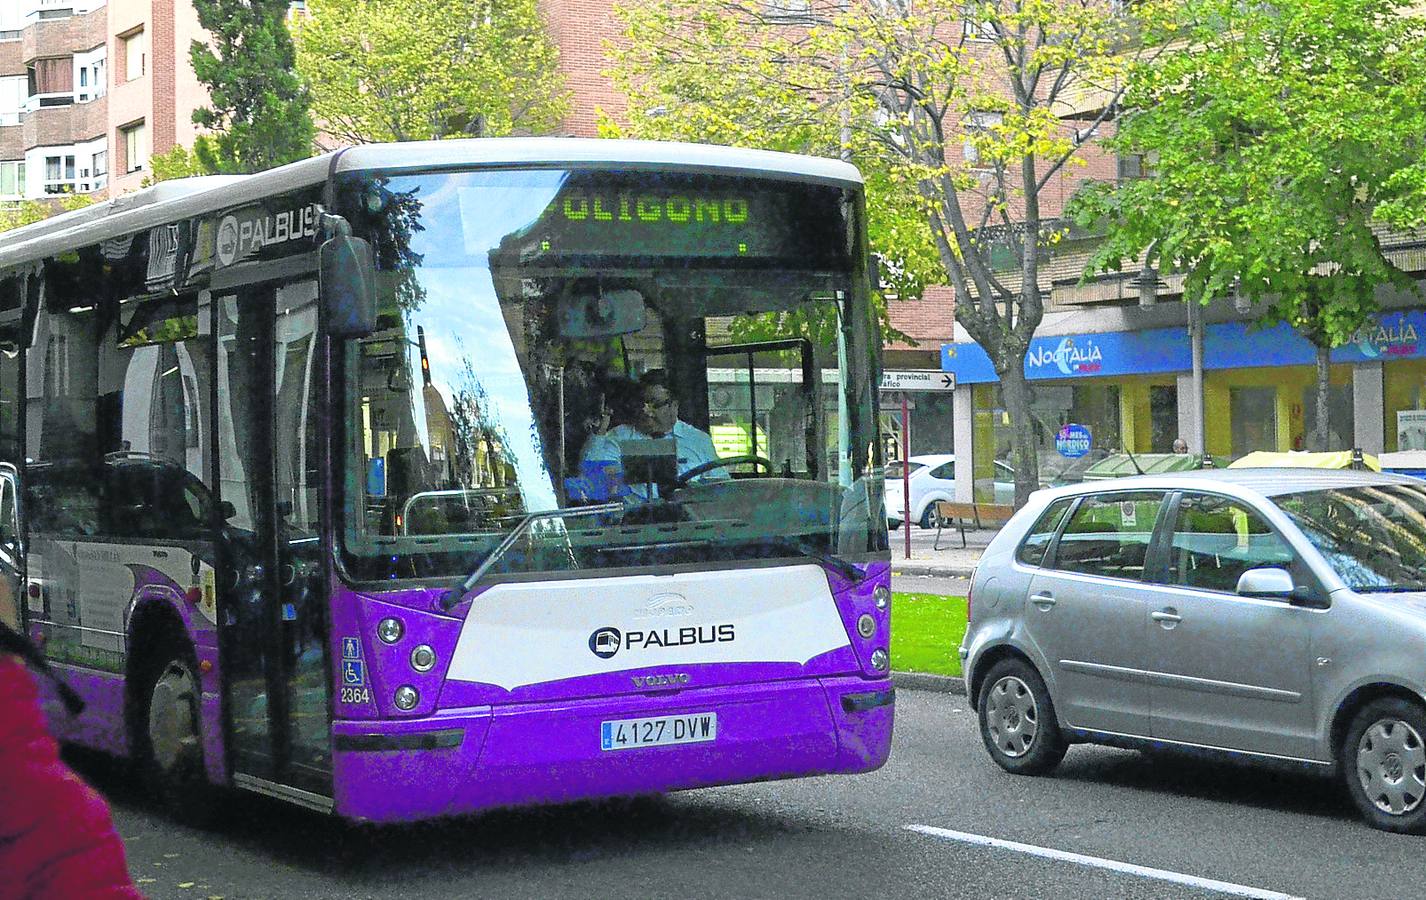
[678,679]
[605,642]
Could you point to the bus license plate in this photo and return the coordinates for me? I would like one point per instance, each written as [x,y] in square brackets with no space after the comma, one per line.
[659,731]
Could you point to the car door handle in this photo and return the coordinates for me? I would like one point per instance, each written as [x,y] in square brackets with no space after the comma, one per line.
[1043,601]
[1169,619]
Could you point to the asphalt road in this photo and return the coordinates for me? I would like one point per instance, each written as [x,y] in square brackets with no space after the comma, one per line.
[822,838]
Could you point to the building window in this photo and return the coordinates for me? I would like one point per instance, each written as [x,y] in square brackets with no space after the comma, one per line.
[89,76]
[14,91]
[977,124]
[135,55]
[59,174]
[52,81]
[134,140]
[1131,166]
[978,29]
[788,10]
[12,179]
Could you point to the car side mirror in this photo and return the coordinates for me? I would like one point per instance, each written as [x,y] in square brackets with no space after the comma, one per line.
[1270,584]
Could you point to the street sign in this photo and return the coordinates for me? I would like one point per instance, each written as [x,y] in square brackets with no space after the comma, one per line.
[918,380]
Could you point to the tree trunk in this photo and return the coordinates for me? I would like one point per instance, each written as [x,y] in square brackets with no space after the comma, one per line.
[1025,459]
[1322,434]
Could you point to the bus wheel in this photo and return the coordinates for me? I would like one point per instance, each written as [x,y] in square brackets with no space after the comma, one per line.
[166,734]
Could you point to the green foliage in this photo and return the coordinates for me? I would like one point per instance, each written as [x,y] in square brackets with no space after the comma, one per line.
[258,111]
[179,162]
[1280,135]
[27,212]
[928,630]
[403,70]
[889,85]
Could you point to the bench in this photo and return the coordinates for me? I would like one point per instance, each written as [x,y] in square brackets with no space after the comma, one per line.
[976,515]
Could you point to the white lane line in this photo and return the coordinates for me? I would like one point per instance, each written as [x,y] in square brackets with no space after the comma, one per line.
[1209,884]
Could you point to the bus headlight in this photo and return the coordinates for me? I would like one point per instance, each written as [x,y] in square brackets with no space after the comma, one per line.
[866,625]
[423,658]
[879,660]
[881,596]
[407,698]
[390,630]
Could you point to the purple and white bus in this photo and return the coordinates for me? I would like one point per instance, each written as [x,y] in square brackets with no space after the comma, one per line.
[414,480]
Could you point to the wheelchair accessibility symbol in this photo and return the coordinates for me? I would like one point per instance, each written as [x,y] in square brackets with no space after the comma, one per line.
[353,673]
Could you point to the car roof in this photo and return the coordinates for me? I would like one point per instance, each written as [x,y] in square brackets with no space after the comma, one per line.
[933,459]
[1265,482]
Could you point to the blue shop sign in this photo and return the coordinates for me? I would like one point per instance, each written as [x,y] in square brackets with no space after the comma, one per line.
[1228,345]
[1073,441]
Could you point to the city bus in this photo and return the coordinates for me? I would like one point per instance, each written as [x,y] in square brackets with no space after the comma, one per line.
[344,482]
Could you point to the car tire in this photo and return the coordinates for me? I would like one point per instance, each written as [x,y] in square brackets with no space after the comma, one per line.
[1383,761]
[928,516]
[1017,720]
[165,735]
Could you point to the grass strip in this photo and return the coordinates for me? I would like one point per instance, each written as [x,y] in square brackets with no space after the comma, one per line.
[926,631]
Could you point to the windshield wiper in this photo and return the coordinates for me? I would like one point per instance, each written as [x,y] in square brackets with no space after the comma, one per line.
[805,548]
[500,550]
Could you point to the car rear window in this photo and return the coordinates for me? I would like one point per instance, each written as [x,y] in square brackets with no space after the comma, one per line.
[1032,550]
[1108,535]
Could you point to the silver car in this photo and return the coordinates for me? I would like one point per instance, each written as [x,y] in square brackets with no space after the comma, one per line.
[1272,614]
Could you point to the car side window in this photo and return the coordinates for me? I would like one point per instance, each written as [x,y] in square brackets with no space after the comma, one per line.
[1109,535]
[1215,540]
[944,470]
[1032,550]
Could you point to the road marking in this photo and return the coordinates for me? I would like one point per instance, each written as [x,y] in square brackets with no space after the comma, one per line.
[1209,884]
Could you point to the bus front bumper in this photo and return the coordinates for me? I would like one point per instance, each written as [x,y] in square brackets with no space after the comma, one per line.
[461,761]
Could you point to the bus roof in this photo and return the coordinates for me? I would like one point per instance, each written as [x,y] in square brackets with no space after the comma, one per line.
[172,201]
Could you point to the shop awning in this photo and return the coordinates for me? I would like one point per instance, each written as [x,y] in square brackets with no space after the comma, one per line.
[1336,459]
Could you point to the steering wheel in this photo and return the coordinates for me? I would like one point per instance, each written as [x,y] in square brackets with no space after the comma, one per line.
[709,466]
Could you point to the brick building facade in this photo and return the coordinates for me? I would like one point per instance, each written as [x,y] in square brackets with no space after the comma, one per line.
[89,90]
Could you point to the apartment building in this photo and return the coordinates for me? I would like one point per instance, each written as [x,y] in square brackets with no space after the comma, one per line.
[89,90]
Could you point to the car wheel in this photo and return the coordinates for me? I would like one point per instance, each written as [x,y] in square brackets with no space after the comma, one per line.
[1017,720]
[928,517]
[1384,764]
[166,735]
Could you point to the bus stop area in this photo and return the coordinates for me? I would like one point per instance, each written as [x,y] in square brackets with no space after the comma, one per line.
[949,560]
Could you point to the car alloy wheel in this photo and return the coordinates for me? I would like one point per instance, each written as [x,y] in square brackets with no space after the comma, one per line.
[1391,765]
[1012,716]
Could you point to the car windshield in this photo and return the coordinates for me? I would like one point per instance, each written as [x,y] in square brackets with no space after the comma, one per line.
[1374,536]
[556,340]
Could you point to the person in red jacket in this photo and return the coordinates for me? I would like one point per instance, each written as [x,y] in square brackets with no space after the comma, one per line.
[57,840]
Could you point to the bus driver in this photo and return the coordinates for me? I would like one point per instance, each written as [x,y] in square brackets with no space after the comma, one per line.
[657,417]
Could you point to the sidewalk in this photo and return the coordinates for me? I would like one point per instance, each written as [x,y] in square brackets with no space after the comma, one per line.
[951,561]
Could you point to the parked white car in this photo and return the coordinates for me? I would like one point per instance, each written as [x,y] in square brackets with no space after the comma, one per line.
[933,478]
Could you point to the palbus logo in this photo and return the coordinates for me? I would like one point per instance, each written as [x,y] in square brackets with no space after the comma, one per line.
[605,642]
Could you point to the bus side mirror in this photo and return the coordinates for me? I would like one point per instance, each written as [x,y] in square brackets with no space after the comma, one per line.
[348,285]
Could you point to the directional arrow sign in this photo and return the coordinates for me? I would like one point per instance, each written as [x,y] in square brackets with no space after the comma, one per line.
[917,380]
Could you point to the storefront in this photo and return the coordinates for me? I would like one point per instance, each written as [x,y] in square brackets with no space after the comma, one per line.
[1132,390]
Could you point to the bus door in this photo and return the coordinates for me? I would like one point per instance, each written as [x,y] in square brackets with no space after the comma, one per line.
[275,627]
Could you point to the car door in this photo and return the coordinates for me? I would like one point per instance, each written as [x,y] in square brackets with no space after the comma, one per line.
[1226,670]
[1087,612]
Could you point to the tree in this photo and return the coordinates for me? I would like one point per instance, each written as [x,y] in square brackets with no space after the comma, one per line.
[471,68]
[178,162]
[955,112]
[1278,131]
[258,108]
[28,212]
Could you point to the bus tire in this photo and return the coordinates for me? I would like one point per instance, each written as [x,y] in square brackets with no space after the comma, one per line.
[165,732]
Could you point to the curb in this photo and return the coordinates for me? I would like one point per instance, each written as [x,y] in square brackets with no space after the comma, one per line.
[936,571]
[916,681]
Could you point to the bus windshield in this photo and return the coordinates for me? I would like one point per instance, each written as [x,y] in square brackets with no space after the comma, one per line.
[610,347]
